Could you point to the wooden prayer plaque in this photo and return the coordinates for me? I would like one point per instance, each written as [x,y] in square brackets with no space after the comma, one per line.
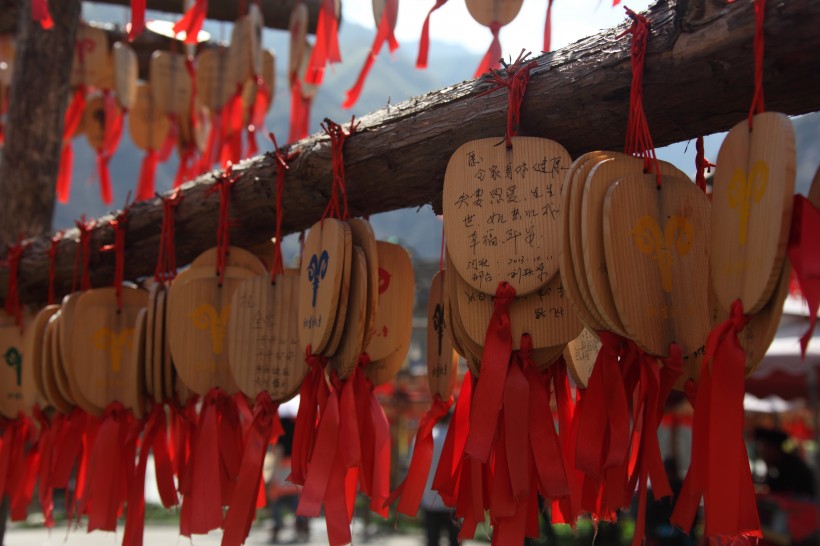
[137,362]
[60,376]
[67,376]
[33,347]
[211,84]
[487,12]
[308,90]
[11,371]
[657,251]
[364,238]
[159,347]
[263,344]
[580,356]
[49,368]
[752,210]
[150,318]
[394,315]
[501,212]
[298,34]
[126,69]
[170,83]
[89,66]
[344,293]
[243,51]
[147,124]
[94,122]
[102,345]
[442,360]
[346,357]
[323,260]
[167,363]
[237,257]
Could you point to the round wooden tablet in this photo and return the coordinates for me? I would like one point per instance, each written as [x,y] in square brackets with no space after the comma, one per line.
[64,332]
[472,350]
[267,73]
[501,212]
[545,315]
[58,372]
[159,347]
[580,356]
[11,371]
[657,249]
[455,340]
[344,293]
[137,361]
[394,315]
[197,327]
[379,7]
[147,125]
[237,257]
[598,181]
[263,344]
[323,261]
[442,360]
[33,346]
[149,338]
[167,363]
[573,183]
[212,85]
[347,354]
[50,351]
[90,57]
[103,342]
[170,84]
[297,29]
[751,210]
[126,69]
[365,238]
[487,12]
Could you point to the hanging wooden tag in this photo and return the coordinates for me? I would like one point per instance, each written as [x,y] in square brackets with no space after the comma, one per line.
[365,238]
[346,356]
[102,345]
[126,70]
[108,77]
[250,87]
[442,360]
[150,337]
[472,350]
[58,371]
[545,315]
[573,185]
[65,332]
[580,356]
[657,248]
[159,347]
[147,125]
[211,84]
[170,83]
[243,51]
[168,388]
[237,257]
[33,347]
[394,315]
[501,212]
[11,371]
[455,339]
[487,12]
[49,368]
[94,122]
[598,181]
[90,55]
[297,29]
[752,209]
[263,343]
[344,293]
[320,280]
[137,362]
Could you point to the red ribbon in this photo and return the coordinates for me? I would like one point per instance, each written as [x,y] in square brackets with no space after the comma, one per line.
[304,432]
[83,255]
[12,304]
[112,459]
[757,101]
[41,14]
[155,438]
[384,33]
[299,112]
[326,48]
[566,509]
[491,59]
[171,139]
[73,117]
[148,173]
[719,471]
[166,269]
[281,168]
[258,110]
[516,79]
[187,166]
[548,28]
[337,135]
[45,445]
[264,429]
[232,115]
[192,20]
[446,478]
[118,223]
[489,392]
[411,489]
[183,425]
[13,456]
[213,144]
[701,164]
[805,259]
[112,131]
[223,185]
[424,41]
[638,136]
[137,19]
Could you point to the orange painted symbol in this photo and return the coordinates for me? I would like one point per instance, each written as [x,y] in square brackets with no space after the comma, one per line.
[205,317]
[743,189]
[676,237]
[115,343]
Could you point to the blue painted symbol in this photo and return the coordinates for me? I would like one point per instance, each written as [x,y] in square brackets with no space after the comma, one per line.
[317,269]
[15,360]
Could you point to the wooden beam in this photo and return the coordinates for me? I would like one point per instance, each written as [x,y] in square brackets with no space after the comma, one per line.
[275,12]
[698,80]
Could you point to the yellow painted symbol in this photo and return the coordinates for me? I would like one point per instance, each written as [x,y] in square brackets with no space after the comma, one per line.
[676,237]
[114,343]
[743,189]
[205,317]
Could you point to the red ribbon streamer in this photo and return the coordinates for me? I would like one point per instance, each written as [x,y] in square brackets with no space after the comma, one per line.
[445,480]
[146,184]
[701,164]
[567,509]
[223,185]
[281,168]
[45,445]
[719,471]
[73,117]
[326,48]
[12,305]
[516,79]
[12,455]
[411,489]
[384,33]
[166,269]
[338,190]
[490,389]
[154,439]
[264,429]
[232,116]
[171,139]
[805,259]
[192,20]
[757,101]
[299,112]
[112,131]
[548,28]
[183,426]
[638,135]
[491,59]
[304,432]
[118,223]
[41,14]
[424,41]
[137,19]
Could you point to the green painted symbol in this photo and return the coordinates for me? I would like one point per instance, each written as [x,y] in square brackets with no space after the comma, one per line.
[15,360]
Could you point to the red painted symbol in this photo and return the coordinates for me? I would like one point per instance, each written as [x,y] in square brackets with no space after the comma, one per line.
[86,45]
[384,280]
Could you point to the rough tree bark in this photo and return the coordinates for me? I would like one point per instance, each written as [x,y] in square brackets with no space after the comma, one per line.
[698,80]
[39,97]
